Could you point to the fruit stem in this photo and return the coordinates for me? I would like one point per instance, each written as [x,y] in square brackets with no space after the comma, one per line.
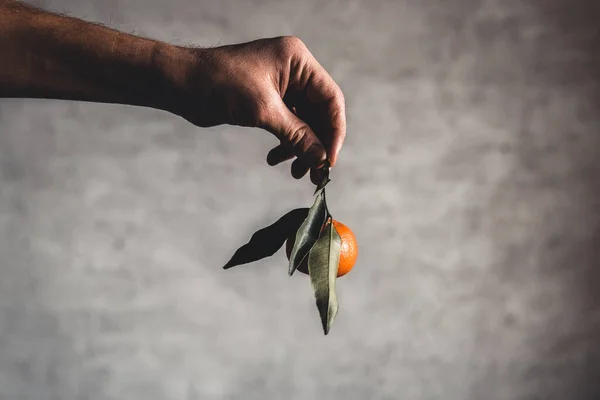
[326,208]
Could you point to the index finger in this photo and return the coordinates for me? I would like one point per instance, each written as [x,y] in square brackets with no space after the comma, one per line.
[323,90]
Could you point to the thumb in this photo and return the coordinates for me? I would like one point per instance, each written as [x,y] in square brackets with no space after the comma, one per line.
[295,134]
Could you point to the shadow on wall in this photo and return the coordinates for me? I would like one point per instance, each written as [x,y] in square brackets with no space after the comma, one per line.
[577,27]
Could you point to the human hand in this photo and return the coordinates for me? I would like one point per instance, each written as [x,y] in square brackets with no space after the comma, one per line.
[275,84]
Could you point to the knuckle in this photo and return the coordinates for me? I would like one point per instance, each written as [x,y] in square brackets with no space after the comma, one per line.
[294,136]
[291,44]
[298,136]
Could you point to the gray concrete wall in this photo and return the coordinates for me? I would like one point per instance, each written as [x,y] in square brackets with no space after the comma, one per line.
[469,176]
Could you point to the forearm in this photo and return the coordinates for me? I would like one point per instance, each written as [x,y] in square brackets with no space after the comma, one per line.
[45,55]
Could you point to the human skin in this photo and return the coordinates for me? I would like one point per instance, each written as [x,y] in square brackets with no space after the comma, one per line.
[274,84]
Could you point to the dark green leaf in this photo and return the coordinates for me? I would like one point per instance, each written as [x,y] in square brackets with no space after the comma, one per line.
[308,233]
[265,242]
[323,261]
[324,177]
[322,185]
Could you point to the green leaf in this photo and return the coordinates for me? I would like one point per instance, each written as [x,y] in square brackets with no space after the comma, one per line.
[322,185]
[323,261]
[308,233]
[265,242]
[325,177]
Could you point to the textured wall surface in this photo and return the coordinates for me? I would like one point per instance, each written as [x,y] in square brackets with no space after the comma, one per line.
[470,177]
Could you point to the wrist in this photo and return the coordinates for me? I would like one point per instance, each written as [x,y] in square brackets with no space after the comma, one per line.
[185,76]
[169,64]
